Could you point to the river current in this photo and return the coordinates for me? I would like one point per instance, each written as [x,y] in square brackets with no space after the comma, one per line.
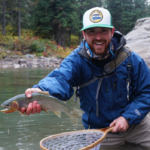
[18,132]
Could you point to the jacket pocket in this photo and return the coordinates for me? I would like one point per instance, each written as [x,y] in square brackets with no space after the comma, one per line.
[121,87]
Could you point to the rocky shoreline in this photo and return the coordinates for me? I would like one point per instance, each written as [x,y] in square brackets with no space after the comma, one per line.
[29,60]
[32,61]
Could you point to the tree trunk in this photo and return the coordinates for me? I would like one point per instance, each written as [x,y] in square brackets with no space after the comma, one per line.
[19,19]
[61,37]
[3,18]
[69,37]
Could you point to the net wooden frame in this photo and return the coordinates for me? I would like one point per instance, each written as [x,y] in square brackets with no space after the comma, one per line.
[104,131]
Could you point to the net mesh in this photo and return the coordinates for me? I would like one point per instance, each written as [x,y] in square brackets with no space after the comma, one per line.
[73,141]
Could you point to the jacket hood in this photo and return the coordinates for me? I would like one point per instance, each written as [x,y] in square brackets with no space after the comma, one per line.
[118,40]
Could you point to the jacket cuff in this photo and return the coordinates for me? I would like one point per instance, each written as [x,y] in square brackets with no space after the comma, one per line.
[37,86]
[128,119]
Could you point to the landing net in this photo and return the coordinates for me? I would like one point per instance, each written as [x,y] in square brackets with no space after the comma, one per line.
[72,141]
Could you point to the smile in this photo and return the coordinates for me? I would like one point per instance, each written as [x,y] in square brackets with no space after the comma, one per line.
[99,43]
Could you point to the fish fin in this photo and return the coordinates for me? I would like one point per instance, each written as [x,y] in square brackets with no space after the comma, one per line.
[78,112]
[44,92]
[45,110]
[58,113]
[74,116]
[21,113]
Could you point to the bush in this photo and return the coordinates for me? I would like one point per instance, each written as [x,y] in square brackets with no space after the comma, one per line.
[74,40]
[37,46]
[28,43]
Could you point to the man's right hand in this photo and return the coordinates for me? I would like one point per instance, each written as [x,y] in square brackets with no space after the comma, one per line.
[32,107]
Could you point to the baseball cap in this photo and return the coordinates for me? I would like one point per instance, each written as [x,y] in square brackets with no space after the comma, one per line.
[97,17]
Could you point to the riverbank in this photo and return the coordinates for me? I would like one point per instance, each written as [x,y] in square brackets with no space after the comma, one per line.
[29,60]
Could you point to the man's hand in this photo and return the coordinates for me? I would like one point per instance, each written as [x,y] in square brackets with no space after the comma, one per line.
[32,107]
[120,125]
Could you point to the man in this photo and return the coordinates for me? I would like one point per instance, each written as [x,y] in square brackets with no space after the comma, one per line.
[119,98]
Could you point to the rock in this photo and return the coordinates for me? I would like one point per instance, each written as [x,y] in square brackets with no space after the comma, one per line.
[22,61]
[11,60]
[30,56]
[29,64]
[14,56]
[16,66]
[23,65]
[41,57]
[8,52]
[139,38]
[35,64]
[8,59]
[5,66]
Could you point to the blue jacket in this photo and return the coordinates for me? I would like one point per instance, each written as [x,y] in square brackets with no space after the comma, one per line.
[77,69]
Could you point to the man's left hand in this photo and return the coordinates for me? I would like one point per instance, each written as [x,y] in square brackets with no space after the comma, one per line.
[120,125]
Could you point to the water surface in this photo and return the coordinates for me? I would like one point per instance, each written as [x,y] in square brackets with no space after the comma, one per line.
[19,132]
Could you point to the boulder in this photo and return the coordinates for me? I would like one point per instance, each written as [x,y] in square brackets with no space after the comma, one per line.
[22,61]
[139,38]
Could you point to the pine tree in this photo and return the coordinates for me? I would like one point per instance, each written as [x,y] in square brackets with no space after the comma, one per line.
[126,12]
[3,31]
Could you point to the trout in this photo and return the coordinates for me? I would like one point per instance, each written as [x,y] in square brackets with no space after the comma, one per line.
[47,103]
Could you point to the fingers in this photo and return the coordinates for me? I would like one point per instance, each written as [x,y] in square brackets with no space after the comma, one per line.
[120,125]
[29,109]
[115,129]
[113,123]
[36,108]
[33,108]
[23,110]
[29,91]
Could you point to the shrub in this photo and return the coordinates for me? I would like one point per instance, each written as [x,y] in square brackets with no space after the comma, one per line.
[32,44]
[74,40]
[37,46]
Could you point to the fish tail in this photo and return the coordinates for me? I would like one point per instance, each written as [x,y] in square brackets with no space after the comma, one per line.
[75,114]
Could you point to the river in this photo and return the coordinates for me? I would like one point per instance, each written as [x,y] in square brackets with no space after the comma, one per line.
[18,132]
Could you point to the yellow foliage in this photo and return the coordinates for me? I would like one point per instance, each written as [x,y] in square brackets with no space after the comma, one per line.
[9,30]
[63,53]
[74,40]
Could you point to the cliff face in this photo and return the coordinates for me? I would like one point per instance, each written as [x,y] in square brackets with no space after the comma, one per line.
[139,39]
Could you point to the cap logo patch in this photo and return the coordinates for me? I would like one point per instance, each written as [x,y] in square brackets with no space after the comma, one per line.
[96,16]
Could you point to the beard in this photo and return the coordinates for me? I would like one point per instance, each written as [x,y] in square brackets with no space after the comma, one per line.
[97,49]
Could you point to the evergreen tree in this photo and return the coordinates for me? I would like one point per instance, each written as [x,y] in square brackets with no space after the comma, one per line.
[3,18]
[147,11]
[56,18]
[126,12]
[12,14]
[19,18]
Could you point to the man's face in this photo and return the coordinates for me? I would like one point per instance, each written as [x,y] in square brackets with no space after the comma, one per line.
[98,39]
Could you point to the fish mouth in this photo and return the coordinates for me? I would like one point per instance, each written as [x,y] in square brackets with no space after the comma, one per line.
[7,110]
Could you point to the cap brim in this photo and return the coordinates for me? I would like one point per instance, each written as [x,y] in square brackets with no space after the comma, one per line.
[97,25]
